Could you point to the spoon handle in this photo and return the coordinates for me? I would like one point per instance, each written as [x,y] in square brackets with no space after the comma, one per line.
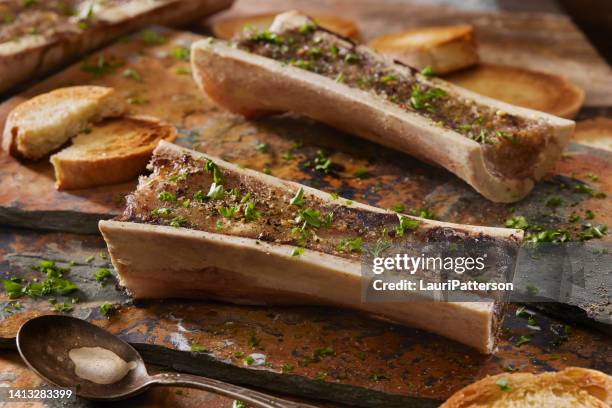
[246,395]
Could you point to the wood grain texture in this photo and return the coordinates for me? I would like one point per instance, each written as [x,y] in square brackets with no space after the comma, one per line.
[537,40]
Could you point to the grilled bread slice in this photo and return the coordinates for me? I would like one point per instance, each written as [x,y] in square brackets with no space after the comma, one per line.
[596,132]
[42,124]
[193,225]
[522,87]
[572,387]
[110,152]
[38,36]
[230,27]
[499,149]
[445,49]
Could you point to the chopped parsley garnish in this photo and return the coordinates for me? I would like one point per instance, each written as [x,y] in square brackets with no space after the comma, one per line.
[211,167]
[100,66]
[424,213]
[216,192]
[324,352]
[298,198]
[297,251]
[132,74]
[522,312]
[166,196]
[195,347]
[253,341]
[249,211]
[227,212]
[322,162]
[106,309]
[180,53]
[586,189]
[267,37]
[388,78]
[360,173]
[61,307]
[261,147]
[239,404]
[183,71]
[507,135]
[428,71]
[398,207]
[522,340]
[309,217]
[178,221]
[556,235]
[102,274]
[405,223]
[422,99]
[502,383]
[350,245]
[161,212]
[307,28]
[249,360]
[518,222]
[182,176]
[152,37]
[589,215]
[590,231]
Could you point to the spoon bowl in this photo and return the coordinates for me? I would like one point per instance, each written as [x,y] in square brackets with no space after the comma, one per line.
[44,343]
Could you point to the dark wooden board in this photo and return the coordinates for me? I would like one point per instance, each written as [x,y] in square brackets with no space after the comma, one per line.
[373,363]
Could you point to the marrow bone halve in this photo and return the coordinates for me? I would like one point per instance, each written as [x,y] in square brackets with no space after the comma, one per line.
[178,238]
[501,150]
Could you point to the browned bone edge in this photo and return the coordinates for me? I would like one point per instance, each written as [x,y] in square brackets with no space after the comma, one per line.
[149,258]
[238,80]
[42,57]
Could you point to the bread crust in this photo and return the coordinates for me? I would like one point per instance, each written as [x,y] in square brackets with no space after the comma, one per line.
[37,126]
[238,80]
[445,48]
[45,54]
[86,171]
[592,388]
[541,91]
[596,132]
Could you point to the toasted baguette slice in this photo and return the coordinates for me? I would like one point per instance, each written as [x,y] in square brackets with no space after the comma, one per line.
[445,49]
[229,27]
[522,87]
[40,125]
[178,244]
[595,132]
[504,170]
[572,387]
[112,151]
[39,36]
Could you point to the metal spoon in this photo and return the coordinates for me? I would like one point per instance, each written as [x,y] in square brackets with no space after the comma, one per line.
[44,343]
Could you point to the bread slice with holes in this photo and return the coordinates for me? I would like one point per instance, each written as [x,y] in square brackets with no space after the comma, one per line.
[572,387]
[227,28]
[445,49]
[112,151]
[537,90]
[44,123]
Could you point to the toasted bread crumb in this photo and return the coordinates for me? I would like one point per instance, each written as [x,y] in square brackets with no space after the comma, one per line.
[44,123]
[113,151]
[572,387]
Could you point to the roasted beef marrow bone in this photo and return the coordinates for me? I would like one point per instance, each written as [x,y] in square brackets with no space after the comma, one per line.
[199,227]
[499,149]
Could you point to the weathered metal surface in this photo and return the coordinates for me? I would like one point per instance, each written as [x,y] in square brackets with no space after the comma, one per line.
[322,352]
[373,363]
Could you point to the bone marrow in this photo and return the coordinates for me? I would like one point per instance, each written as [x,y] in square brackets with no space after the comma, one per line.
[511,147]
[239,235]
